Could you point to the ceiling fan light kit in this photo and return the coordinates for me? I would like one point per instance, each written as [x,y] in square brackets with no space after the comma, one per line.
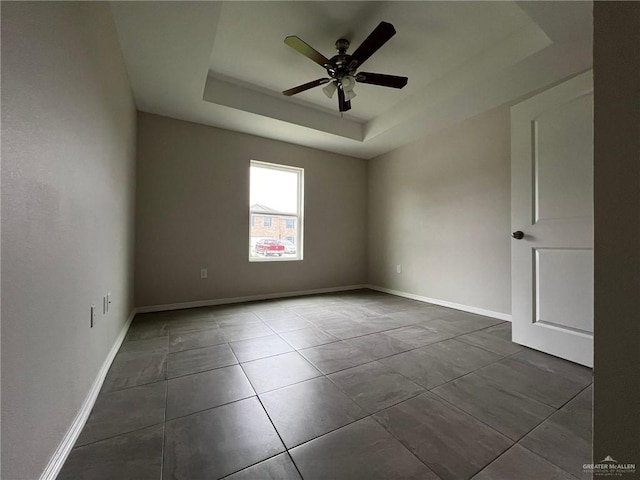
[330,89]
[342,68]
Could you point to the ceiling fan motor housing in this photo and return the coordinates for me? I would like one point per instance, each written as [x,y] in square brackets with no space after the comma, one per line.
[340,65]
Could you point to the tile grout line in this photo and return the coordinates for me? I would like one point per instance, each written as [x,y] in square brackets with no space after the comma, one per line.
[549,461]
[290,385]
[406,351]
[210,408]
[515,442]
[286,449]
[380,410]
[110,437]
[133,386]
[368,414]
[453,405]
[165,355]
[286,452]
[343,340]
[494,460]
[407,447]
[325,433]
[453,379]
[319,327]
[326,375]
[338,340]
[548,417]
[320,374]
[164,428]
[443,399]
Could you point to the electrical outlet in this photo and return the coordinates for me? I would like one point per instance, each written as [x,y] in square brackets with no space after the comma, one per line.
[93,314]
[108,301]
[204,273]
[398,268]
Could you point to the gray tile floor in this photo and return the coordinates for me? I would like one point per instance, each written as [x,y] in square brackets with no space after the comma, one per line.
[354,385]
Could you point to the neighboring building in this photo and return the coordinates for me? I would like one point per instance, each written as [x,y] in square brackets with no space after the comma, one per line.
[267,223]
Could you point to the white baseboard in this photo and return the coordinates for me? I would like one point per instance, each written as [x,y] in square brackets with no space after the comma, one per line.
[443,303]
[68,441]
[249,298]
[64,448]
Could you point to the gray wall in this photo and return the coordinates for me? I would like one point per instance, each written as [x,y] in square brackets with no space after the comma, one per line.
[617,232]
[68,167]
[440,207]
[193,212]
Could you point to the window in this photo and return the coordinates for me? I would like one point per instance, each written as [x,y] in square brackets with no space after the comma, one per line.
[276,195]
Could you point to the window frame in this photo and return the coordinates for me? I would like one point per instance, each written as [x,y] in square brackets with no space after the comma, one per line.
[297,218]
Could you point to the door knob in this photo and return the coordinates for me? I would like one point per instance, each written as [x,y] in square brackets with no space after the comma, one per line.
[518,235]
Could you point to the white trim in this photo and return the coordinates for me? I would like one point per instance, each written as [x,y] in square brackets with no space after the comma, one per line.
[68,441]
[64,448]
[298,216]
[443,303]
[249,298]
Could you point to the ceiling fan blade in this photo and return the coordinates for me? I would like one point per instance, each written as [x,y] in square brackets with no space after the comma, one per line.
[380,35]
[306,50]
[343,105]
[381,79]
[306,86]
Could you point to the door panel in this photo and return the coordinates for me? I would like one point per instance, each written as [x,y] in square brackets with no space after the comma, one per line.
[564,288]
[552,203]
[563,171]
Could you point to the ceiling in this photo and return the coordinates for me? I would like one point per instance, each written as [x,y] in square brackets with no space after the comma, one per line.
[225,64]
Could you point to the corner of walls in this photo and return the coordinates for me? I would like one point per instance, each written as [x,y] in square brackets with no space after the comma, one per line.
[456,306]
[367,215]
[440,209]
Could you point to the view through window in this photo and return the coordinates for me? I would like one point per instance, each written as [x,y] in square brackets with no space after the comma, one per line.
[275,211]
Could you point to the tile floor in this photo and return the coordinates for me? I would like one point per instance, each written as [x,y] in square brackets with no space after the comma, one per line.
[355,385]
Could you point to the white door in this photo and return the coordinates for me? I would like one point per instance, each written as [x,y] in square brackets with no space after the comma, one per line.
[552,205]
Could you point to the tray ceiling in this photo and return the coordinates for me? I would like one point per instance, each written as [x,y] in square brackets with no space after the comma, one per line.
[225,64]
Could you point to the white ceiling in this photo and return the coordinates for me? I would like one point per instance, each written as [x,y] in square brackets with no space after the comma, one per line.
[225,64]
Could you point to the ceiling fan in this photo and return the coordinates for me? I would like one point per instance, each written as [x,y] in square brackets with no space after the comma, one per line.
[342,68]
